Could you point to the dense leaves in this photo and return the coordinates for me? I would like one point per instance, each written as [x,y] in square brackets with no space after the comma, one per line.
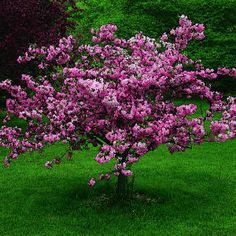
[29,21]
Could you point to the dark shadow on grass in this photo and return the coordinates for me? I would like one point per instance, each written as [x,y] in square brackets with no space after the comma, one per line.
[65,196]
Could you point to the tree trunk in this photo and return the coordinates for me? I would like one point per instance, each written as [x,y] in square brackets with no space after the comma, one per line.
[122,186]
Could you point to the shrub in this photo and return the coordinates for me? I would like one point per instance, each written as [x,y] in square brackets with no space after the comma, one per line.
[118,94]
[42,22]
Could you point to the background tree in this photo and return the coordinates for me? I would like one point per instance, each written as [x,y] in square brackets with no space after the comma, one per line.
[41,22]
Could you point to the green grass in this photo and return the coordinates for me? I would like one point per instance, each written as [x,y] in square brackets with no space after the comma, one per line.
[154,17]
[190,193]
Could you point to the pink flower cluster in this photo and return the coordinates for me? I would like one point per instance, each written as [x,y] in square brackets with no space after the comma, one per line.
[118,94]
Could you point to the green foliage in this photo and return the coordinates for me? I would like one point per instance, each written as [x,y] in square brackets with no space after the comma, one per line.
[153,17]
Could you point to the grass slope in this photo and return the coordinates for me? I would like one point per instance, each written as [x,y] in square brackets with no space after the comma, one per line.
[190,193]
[154,17]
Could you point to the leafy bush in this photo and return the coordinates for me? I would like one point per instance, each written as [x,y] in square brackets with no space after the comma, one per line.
[24,22]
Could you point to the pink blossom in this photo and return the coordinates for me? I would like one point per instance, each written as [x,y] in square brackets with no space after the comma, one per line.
[116,173]
[57,161]
[127,172]
[6,162]
[119,94]
[107,176]
[101,177]
[48,164]
[132,159]
[91,182]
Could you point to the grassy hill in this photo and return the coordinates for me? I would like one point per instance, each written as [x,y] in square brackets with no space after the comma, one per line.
[190,193]
[186,193]
[153,17]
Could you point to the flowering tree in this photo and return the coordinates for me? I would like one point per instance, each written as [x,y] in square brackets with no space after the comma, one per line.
[118,94]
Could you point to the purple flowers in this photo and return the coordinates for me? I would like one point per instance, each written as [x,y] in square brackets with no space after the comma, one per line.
[118,94]
[48,164]
[91,182]
[6,162]
[57,161]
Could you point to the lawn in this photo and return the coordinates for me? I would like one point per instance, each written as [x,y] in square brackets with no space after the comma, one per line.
[190,193]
